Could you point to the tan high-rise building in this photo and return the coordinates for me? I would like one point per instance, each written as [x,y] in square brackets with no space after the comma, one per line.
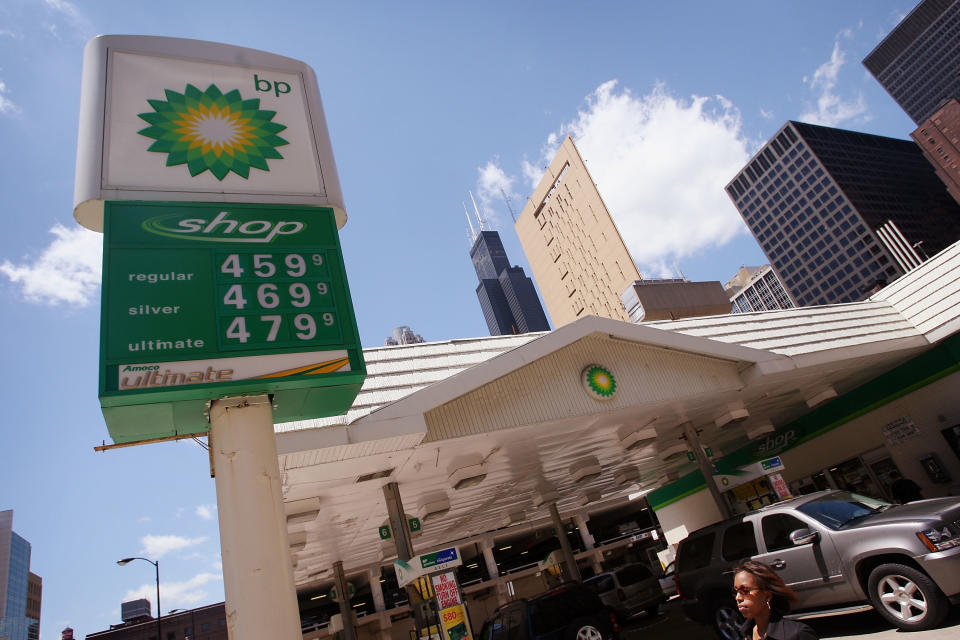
[576,253]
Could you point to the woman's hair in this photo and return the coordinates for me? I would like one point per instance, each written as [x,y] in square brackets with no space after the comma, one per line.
[768,580]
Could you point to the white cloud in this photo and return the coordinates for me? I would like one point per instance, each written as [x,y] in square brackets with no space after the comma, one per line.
[175,595]
[144,519]
[206,511]
[63,6]
[492,183]
[158,546]
[7,106]
[830,108]
[660,163]
[69,12]
[67,271]
[766,115]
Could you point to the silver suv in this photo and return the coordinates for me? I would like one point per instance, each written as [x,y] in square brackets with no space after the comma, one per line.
[841,552]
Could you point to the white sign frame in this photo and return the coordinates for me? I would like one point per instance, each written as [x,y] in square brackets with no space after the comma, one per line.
[112,158]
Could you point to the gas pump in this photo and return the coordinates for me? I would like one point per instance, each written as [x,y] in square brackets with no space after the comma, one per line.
[441,613]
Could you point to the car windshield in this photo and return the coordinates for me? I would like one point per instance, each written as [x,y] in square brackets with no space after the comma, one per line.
[840,509]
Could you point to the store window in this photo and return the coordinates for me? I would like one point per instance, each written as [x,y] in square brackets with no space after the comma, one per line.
[952,436]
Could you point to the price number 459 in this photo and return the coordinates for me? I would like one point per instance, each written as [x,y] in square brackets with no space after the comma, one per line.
[263,266]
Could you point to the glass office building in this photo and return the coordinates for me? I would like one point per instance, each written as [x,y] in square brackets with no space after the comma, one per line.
[839,213]
[19,589]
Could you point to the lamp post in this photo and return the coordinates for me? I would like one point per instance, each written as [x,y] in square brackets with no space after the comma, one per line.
[156,565]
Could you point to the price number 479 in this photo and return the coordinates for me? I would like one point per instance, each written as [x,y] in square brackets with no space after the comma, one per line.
[305,326]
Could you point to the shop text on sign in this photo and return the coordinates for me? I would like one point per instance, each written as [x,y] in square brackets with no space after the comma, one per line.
[201,300]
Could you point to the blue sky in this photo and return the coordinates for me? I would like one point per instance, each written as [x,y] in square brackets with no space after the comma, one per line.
[424,101]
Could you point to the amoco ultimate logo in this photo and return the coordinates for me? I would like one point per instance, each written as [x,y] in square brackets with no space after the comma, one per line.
[215,131]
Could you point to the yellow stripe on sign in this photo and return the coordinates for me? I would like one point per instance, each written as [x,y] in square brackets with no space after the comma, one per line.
[329,367]
[310,369]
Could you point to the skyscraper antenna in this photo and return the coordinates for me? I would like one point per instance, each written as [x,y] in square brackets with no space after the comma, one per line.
[473,233]
[676,266]
[506,199]
[479,217]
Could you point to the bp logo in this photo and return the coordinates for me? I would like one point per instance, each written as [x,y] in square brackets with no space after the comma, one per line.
[213,131]
[598,382]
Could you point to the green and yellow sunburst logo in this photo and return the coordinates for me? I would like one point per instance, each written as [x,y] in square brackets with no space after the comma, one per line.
[599,382]
[213,131]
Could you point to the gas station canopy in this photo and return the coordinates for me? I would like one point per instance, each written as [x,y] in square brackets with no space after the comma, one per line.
[481,433]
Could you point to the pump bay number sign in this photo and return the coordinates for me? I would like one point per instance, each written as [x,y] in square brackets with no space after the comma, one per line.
[202,301]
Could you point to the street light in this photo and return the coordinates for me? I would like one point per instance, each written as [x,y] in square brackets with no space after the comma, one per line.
[156,565]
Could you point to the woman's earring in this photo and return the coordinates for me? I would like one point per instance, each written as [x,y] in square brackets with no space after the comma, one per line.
[768,603]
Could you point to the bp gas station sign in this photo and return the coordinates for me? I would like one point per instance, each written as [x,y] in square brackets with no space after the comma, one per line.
[209,169]
[201,301]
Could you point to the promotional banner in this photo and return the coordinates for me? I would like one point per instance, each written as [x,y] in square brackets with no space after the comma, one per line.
[454,620]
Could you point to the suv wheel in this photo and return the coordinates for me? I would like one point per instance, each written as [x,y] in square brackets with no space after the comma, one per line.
[583,630]
[906,597]
[727,621]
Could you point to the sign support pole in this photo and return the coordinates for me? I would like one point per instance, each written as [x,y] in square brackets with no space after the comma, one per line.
[404,545]
[261,601]
[568,558]
[398,521]
[343,599]
[693,441]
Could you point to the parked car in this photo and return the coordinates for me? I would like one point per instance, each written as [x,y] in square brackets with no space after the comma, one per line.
[568,612]
[629,590]
[668,582]
[841,552]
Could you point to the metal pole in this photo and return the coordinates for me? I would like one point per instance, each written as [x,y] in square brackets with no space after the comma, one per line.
[398,521]
[706,469]
[261,600]
[568,558]
[156,565]
[404,546]
[343,600]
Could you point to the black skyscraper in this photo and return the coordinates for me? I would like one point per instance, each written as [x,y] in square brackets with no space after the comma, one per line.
[507,296]
[839,212]
[917,62]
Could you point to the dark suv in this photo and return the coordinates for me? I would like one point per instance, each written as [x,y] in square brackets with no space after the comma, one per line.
[569,612]
[841,552]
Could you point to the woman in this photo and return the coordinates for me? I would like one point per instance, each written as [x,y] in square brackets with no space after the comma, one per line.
[763,598]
